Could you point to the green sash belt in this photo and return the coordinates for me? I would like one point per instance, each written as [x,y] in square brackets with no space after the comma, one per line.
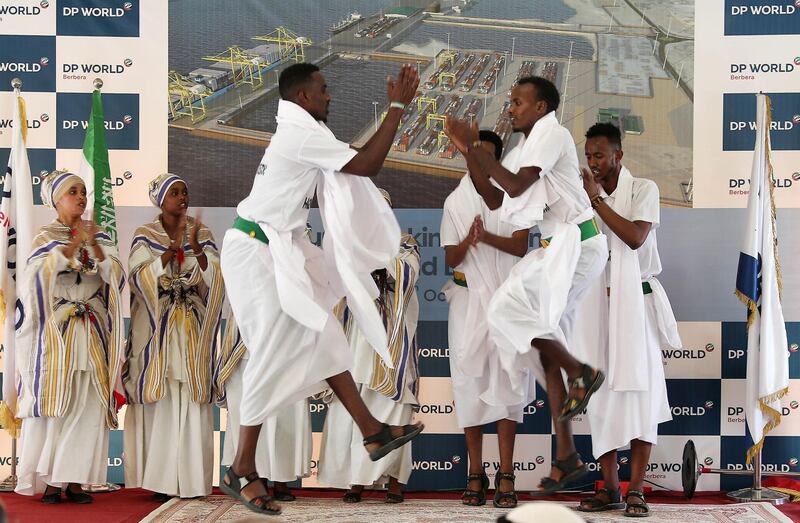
[589,229]
[460,278]
[252,229]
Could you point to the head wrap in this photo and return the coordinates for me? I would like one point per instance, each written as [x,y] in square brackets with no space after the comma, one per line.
[158,188]
[55,184]
[386,196]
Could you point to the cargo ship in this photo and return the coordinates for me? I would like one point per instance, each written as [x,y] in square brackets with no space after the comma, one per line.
[343,24]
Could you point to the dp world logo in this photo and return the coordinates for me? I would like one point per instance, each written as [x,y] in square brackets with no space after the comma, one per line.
[128,62]
[539,403]
[797,3]
[793,347]
[127,119]
[792,462]
[127,6]
[709,347]
[709,404]
[44,4]
[797,60]
[539,460]
[795,177]
[44,61]
[794,404]
[796,118]
[44,117]
[623,460]
[708,461]
[456,459]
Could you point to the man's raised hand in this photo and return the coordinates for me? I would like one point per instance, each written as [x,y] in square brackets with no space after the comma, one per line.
[403,88]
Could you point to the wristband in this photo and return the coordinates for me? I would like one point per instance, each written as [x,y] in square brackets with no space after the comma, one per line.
[398,105]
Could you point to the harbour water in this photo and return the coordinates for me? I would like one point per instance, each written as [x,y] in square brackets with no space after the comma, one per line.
[208,27]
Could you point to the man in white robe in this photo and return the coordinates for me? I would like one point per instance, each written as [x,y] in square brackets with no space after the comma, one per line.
[390,394]
[535,306]
[482,249]
[625,319]
[282,289]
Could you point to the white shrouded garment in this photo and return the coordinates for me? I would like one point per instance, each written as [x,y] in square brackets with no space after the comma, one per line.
[636,413]
[473,356]
[539,297]
[282,294]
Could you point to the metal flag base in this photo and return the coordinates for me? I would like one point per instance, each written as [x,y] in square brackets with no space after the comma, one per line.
[97,488]
[9,484]
[691,471]
[747,495]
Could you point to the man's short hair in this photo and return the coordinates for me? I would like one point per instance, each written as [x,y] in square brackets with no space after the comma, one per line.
[294,77]
[492,137]
[609,130]
[545,91]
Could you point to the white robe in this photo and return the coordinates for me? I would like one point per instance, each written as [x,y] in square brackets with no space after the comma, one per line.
[283,451]
[473,356]
[71,446]
[169,442]
[636,412]
[282,294]
[539,298]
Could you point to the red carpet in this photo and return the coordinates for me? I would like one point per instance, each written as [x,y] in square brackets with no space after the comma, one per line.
[131,505]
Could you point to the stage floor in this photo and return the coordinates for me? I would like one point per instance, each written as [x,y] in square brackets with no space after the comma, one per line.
[131,505]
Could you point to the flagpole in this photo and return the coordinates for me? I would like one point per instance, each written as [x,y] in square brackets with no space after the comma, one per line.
[758,285]
[97,83]
[10,483]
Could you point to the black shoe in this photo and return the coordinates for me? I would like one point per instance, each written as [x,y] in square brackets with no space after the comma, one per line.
[80,498]
[478,495]
[52,498]
[510,495]
[161,497]
[388,442]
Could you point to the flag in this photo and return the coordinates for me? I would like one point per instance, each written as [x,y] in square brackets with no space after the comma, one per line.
[96,172]
[16,217]
[758,285]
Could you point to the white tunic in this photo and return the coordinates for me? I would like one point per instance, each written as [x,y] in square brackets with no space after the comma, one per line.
[538,299]
[636,413]
[282,294]
[473,356]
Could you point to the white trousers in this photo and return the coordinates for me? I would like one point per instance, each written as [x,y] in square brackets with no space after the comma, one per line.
[69,449]
[169,444]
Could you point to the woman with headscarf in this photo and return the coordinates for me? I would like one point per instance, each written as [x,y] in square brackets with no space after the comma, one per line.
[69,349]
[176,303]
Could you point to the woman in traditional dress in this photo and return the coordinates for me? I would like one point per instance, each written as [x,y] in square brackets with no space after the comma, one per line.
[69,351]
[176,303]
[390,394]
